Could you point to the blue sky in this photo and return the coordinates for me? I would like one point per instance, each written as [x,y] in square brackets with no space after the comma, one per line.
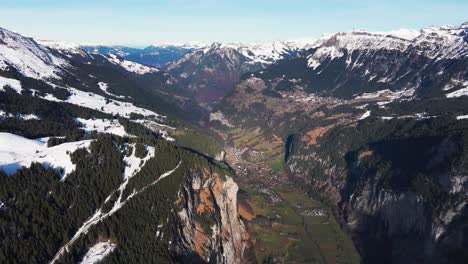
[143,22]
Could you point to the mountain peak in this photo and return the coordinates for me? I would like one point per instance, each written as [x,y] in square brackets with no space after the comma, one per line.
[27,56]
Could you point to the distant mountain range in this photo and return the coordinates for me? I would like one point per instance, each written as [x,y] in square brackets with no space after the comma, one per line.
[376,125]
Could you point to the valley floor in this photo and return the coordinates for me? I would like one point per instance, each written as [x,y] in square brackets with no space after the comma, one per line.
[285,224]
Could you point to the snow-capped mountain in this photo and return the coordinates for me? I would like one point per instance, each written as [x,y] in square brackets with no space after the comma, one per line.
[446,42]
[160,54]
[67,48]
[157,55]
[131,66]
[28,57]
[260,54]
[64,72]
[347,64]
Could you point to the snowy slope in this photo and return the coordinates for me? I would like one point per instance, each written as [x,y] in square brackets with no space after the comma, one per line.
[458,93]
[28,57]
[101,103]
[259,53]
[17,151]
[104,86]
[134,164]
[12,83]
[103,126]
[67,48]
[98,252]
[271,52]
[130,65]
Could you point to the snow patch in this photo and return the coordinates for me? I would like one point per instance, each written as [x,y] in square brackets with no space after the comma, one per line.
[462,117]
[365,115]
[98,252]
[12,83]
[28,117]
[387,94]
[461,92]
[17,151]
[134,164]
[323,53]
[103,126]
[101,103]
[103,86]
[4,115]
[131,66]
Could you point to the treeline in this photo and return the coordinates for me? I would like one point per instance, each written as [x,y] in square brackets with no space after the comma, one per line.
[41,212]
[144,229]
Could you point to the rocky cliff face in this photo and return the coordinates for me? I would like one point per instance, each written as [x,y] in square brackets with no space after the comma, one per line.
[404,200]
[209,228]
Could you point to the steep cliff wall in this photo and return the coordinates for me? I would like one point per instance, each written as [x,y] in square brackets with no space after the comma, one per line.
[209,227]
[402,194]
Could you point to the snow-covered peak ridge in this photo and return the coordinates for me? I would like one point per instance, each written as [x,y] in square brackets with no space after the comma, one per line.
[28,57]
[445,42]
[359,39]
[63,46]
[131,66]
[403,33]
[259,53]
[461,30]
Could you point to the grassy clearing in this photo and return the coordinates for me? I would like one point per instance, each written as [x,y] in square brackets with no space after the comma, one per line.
[281,231]
[278,164]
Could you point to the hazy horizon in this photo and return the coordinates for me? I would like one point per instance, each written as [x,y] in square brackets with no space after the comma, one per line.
[143,22]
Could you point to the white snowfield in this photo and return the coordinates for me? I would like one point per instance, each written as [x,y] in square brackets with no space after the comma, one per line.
[109,126]
[28,57]
[12,83]
[98,252]
[86,99]
[462,117]
[131,66]
[17,151]
[101,103]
